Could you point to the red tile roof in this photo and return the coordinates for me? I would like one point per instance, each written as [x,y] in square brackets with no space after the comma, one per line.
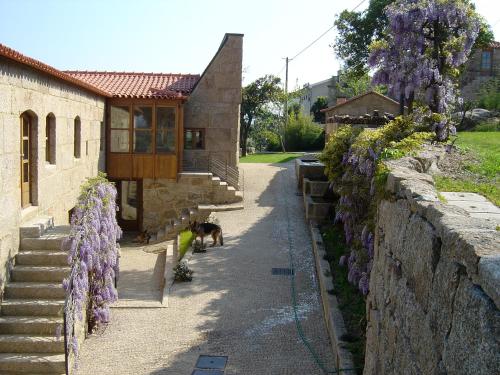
[495,44]
[40,66]
[140,85]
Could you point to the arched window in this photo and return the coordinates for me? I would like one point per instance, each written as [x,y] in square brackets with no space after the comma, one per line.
[78,138]
[50,139]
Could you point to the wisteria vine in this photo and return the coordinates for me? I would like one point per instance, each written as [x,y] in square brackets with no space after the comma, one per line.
[93,257]
[354,164]
[425,44]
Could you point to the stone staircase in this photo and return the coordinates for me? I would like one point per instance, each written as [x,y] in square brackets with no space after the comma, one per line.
[31,313]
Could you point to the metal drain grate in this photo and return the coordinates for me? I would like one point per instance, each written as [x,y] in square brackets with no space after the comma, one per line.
[207,372]
[282,271]
[211,362]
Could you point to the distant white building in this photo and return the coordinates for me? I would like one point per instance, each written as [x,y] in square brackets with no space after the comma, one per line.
[327,88]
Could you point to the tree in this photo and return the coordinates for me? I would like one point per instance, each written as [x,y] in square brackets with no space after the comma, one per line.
[426,42]
[255,97]
[356,31]
[320,103]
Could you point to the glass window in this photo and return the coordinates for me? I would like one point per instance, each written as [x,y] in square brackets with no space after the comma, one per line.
[486,60]
[119,140]
[142,129]
[194,139]
[165,130]
[120,117]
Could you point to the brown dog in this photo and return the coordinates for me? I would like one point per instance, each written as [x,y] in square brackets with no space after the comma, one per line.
[143,237]
[203,229]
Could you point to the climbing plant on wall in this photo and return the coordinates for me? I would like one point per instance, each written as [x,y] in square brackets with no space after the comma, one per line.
[93,257]
[354,163]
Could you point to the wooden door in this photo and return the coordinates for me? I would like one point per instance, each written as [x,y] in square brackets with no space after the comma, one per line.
[129,201]
[26,125]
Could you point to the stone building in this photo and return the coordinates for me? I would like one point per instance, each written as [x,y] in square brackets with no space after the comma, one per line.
[483,66]
[311,92]
[147,131]
[361,105]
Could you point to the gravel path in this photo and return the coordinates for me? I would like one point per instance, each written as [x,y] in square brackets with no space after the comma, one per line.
[234,306]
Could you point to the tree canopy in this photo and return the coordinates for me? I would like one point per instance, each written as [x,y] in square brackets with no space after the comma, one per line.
[356,31]
[426,42]
[256,97]
[320,103]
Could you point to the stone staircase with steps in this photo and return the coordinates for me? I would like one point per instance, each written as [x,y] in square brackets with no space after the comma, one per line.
[200,213]
[31,313]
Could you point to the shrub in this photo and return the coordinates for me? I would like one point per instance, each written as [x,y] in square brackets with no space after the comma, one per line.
[353,161]
[182,272]
[302,134]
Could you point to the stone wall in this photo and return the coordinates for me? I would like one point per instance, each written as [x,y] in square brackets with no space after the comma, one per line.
[433,306]
[473,79]
[214,105]
[364,104]
[164,200]
[58,185]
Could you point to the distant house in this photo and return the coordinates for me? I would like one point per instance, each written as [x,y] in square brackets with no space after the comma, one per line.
[483,66]
[311,92]
[360,110]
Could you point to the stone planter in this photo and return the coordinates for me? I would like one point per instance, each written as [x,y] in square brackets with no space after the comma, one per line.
[315,188]
[311,169]
[317,208]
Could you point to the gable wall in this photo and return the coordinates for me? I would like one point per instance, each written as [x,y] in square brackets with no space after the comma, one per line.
[214,106]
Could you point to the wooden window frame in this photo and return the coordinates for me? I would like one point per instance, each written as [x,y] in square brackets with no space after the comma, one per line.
[203,138]
[150,130]
[131,105]
[486,71]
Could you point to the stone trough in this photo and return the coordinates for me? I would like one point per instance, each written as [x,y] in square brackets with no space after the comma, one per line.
[315,188]
[312,169]
[317,208]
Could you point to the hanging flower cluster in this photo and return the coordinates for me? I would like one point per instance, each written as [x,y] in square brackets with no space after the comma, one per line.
[93,256]
[426,42]
[354,164]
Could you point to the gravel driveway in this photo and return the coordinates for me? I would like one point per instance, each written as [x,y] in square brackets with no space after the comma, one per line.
[234,306]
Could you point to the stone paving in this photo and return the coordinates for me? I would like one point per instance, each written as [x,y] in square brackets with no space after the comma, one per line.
[476,205]
[234,306]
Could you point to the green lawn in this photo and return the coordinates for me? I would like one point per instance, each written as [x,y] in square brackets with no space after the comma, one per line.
[486,147]
[187,238]
[271,157]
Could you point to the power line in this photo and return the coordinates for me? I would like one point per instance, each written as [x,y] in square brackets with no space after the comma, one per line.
[324,33]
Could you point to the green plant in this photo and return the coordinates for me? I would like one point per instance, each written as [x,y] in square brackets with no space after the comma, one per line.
[186,237]
[182,272]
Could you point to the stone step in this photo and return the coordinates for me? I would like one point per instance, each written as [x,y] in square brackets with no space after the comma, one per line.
[32,363]
[42,258]
[34,325]
[36,227]
[215,179]
[31,344]
[25,290]
[220,207]
[51,240]
[32,307]
[39,273]
[230,188]
[223,183]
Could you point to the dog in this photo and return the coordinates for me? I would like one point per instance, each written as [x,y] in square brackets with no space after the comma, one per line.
[203,229]
[143,237]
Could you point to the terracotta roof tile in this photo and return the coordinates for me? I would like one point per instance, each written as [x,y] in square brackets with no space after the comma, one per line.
[495,44]
[38,65]
[140,85]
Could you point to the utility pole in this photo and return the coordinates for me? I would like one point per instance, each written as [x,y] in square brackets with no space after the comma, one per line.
[286,104]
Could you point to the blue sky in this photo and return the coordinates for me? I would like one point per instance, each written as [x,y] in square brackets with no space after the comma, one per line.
[181,36]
